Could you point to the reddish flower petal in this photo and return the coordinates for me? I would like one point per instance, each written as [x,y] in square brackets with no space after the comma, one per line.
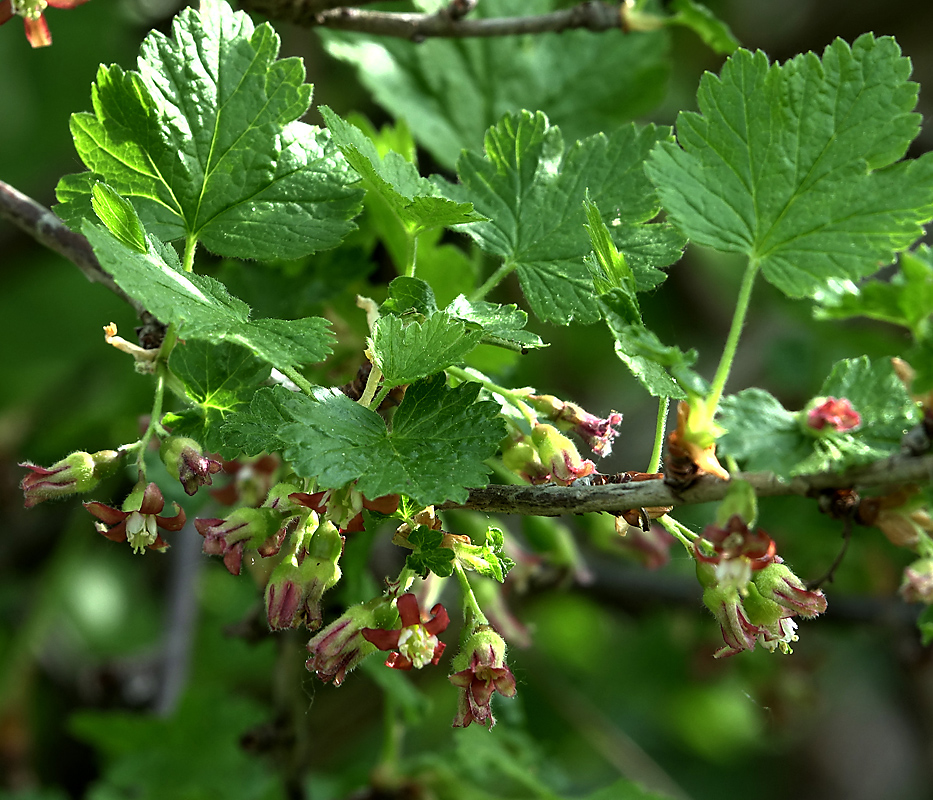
[383,639]
[233,558]
[37,32]
[387,504]
[175,523]
[312,501]
[117,533]
[65,3]
[398,661]
[6,13]
[439,622]
[355,525]
[408,610]
[111,516]
[153,502]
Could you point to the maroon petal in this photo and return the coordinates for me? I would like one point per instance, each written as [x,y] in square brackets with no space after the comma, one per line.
[37,32]
[117,533]
[439,622]
[153,502]
[233,559]
[408,610]
[398,661]
[111,516]
[383,639]
[6,12]
[175,523]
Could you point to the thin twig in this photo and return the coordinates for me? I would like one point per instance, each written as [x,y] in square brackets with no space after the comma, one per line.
[47,229]
[593,15]
[553,501]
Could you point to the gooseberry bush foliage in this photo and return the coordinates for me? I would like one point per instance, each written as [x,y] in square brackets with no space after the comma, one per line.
[199,156]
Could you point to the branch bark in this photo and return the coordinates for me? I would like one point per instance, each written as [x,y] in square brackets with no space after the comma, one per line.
[593,15]
[554,501]
[47,229]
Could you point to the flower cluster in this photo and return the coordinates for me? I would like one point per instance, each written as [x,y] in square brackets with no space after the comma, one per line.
[749,590]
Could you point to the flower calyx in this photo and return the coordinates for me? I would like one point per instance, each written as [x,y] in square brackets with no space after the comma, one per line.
[598,433]
[80,472]
[186,462]
[480,671]
[415,643]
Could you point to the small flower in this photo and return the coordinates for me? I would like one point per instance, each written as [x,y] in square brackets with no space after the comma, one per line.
[837,414]
[228,537]
[735,551]
[749,619]
[917,584]
[37,30]
[778,583]
[340,647]
[481,671]
[416,643]
[185,462]
[521,457]
[139,520]
[596,432]
[79,472]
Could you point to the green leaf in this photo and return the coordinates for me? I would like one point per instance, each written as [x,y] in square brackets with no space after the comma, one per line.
[905,298]
[202,307]
[429,554]
[409,294]
[793,164]
[762,435]
[253,431]
[218,378]
[118,215]
[606,264]
[412,198]
[451,90]
[406,353]
[664,371]
[533,193]
[439,440]
[500,324]
[486,558]
[205,142]
[713,31]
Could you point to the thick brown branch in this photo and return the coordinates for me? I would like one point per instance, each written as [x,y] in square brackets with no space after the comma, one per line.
[47,229]
[593,15]
[553,501]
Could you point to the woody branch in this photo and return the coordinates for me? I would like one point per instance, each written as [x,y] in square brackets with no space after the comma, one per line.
[593,15]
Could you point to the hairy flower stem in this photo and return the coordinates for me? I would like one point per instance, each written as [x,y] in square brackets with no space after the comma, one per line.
[732,340]
[681,532]
[154,419]
[515,398]
[655,461]
[472,614]
[506,269]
